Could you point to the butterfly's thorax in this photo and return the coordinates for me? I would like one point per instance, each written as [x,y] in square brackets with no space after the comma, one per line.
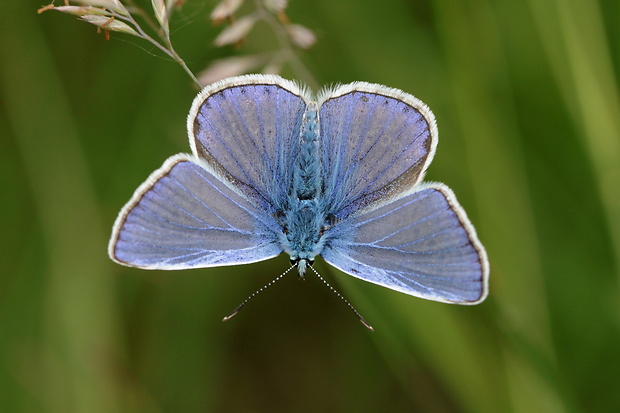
[304,220]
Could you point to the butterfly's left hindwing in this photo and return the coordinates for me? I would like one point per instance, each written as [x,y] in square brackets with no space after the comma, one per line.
[184,216]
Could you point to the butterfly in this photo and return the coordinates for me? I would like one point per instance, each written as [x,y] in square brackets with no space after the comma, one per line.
[275,169]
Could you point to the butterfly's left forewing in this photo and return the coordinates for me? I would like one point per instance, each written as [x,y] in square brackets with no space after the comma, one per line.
[247,128]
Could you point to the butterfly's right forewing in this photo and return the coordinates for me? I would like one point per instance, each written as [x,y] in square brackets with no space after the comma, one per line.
[376,142]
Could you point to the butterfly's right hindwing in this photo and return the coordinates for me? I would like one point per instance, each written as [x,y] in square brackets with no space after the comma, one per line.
[421,244]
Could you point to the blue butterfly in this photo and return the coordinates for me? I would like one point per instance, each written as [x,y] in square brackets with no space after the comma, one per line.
[274,169]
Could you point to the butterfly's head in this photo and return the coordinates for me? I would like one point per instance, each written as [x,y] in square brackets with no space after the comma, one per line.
[302,265]
[302,254]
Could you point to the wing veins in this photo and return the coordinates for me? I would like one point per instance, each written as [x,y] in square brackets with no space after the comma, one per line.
[396,156]
[174,224]
[357,160]
[208,208]
[391,274]
[381,247]
[393,210]
[227,149]
[247,131]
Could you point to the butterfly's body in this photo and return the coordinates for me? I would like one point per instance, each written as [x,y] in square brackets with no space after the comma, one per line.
[274,169]
[304,219]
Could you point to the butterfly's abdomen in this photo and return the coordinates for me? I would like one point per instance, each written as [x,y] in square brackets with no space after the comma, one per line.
[306,182]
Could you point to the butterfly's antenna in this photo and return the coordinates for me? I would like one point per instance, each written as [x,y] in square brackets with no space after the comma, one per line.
[260,290]
[358,315]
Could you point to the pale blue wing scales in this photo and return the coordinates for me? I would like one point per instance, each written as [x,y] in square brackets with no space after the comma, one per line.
[184,216]
[421,244]
[376,142]
[247,128]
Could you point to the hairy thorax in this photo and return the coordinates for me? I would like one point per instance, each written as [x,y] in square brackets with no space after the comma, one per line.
[303,235]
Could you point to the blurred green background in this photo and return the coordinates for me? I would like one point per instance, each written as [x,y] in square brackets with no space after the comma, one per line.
[526,97]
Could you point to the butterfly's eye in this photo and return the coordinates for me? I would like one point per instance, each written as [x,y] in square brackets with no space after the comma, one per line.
[310,262]
[294,261]
[331,220]
[279,215]
[280,218]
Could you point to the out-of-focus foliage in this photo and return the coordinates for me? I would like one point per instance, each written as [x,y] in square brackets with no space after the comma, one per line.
[527,101]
